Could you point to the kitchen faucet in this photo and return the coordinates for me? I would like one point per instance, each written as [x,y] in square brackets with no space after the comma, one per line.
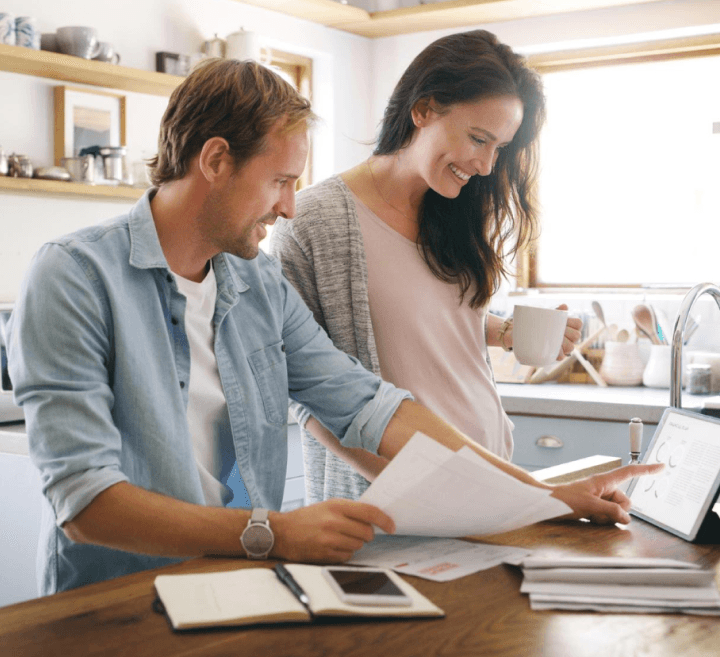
[679,336]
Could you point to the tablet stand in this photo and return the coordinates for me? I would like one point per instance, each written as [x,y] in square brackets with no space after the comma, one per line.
[709,532]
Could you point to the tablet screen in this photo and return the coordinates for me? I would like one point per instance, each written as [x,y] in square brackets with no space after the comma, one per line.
[678,498]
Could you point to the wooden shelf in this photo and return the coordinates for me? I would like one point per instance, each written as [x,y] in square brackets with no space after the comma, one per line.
[62,188]
[67,68]
[434,16]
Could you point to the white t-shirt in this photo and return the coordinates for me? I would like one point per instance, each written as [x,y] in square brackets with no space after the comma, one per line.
[207,412]
[427,341]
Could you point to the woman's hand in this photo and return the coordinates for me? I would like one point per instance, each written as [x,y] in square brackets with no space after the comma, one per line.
[598,498]
[572,334]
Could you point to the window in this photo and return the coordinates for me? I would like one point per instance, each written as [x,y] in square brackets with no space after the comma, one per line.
[297,70]
[629,167]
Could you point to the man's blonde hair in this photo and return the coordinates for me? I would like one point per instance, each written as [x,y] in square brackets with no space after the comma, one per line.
[238,101]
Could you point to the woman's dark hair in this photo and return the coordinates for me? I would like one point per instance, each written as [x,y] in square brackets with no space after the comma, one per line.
[466,239]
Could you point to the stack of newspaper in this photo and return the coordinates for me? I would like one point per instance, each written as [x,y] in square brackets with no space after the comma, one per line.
[616,584]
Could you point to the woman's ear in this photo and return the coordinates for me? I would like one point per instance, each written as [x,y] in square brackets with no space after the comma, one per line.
[215,158]
[422,112]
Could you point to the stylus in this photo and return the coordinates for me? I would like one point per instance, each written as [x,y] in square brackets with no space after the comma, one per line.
[286,578]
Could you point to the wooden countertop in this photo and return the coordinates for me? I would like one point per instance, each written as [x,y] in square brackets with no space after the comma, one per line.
[486,614]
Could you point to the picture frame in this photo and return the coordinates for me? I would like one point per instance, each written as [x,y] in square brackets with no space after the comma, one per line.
[85,117]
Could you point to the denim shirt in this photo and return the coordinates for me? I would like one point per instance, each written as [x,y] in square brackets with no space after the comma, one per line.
[100,363]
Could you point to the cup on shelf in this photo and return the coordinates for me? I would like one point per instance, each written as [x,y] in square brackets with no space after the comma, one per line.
[79,41]
[537,334]
[107,53]
[82,169]
[48,42]
[26,33]
[7,29]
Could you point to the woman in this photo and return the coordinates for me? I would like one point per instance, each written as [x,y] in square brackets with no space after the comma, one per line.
[399,256]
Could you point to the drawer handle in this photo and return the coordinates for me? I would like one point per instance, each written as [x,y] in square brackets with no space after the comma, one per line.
[551,442]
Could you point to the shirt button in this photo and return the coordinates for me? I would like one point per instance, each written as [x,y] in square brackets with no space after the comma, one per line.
[283,347]
[174,321]
[169,278]
[182,384]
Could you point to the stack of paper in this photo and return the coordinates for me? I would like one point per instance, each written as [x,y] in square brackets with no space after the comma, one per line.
[429,490]
[615,584]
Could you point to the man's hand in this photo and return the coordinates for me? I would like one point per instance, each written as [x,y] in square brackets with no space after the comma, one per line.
[328,532]
[598,498]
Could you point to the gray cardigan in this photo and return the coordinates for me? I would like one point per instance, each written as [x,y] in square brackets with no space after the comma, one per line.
[323,256]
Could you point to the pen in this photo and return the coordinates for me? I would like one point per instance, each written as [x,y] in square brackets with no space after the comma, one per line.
[286,578]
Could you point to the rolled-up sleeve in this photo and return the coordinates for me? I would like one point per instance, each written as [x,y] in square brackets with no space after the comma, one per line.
[351,402]
[58,354]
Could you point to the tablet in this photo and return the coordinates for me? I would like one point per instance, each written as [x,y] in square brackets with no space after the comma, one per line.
[679,498]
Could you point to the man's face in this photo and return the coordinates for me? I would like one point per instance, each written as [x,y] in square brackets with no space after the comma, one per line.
[237,210]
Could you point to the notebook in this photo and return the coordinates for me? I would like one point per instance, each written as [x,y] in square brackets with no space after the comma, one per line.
[250,596]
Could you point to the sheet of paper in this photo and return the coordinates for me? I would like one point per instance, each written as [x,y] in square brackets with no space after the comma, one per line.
[429,490]
[437,559]
[622,593]
[605,562]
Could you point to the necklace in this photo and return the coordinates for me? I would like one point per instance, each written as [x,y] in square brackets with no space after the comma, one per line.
[382,196]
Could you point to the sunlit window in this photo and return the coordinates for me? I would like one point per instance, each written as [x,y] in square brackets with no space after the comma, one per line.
[630,175]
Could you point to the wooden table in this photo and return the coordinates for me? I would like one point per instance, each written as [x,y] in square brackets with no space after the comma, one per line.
[486,614]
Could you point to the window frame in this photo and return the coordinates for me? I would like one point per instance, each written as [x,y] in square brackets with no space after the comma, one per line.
[706,45]
[299,68]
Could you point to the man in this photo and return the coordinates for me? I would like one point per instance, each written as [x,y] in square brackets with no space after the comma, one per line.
[151,352]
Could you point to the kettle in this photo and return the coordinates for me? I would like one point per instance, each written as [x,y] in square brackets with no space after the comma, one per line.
[215,47]
[244,45]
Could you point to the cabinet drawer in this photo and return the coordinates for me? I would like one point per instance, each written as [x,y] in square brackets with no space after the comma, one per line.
[541,441]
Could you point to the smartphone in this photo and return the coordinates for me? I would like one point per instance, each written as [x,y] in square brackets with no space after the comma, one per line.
[365,586]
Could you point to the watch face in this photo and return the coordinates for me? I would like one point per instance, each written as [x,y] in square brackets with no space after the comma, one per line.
[257,540]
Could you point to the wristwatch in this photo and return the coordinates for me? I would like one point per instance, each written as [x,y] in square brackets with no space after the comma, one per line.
[257,538]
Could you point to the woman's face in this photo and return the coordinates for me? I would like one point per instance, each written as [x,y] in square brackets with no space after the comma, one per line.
[463,141]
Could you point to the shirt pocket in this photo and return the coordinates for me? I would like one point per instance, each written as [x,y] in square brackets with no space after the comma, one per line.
[269,366]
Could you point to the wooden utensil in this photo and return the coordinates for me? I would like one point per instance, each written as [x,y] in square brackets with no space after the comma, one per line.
[544,374]
[594,374]
[644,319]
[597,308]
[622,336]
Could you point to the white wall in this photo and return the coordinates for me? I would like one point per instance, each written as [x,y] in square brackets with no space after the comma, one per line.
[139,29]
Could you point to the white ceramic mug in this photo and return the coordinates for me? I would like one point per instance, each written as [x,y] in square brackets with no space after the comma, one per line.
[538,334]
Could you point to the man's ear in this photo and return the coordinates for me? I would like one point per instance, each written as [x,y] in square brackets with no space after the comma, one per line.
[215,159]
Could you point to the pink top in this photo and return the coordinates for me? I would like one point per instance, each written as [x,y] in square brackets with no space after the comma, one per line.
[436,348]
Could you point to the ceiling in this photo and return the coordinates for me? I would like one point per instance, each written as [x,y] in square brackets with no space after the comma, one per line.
[381,18]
